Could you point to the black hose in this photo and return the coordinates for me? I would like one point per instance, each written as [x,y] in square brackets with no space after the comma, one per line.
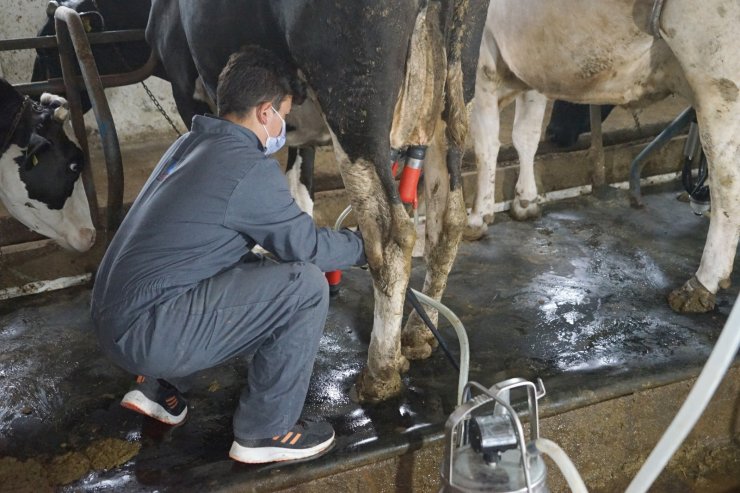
[411,298]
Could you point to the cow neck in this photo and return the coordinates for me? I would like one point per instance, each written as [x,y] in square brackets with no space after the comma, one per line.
[14,125]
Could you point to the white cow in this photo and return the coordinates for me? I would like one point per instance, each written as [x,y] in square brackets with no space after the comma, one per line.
[40,169]
[603,52]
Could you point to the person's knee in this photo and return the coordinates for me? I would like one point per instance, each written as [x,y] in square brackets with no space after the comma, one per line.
[313,283]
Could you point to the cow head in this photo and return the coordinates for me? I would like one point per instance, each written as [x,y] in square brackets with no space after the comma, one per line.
[40,169]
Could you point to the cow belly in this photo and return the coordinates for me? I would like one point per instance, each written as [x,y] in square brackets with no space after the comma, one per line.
[599,56]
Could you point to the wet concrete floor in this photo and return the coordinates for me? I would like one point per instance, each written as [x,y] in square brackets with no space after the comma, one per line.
[576,298]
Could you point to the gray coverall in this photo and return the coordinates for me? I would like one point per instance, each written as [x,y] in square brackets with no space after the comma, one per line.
[179,291]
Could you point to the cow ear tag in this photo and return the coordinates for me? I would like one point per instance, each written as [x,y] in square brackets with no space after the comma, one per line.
[34,160]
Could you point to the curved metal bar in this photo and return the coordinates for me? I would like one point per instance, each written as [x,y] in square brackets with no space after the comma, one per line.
[596,152]
[676,126]
[71,31]
[120,36]
[57,86]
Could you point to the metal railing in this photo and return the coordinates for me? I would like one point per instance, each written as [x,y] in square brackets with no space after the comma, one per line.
[74,43]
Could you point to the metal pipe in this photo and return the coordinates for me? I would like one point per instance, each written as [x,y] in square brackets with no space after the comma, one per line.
[57,86]
[69,28]
[72,92]
[662,139]
[122,36]
[598,179]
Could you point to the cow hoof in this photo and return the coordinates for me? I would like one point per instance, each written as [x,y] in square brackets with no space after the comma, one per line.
[474,234]
[488,218]
[417,341]
[475,229]
[692,297]
[522,210]
[378,388]
[418,350]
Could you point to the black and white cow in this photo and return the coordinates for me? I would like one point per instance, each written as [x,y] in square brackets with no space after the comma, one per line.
[306,128]
[385,74]
[40,169]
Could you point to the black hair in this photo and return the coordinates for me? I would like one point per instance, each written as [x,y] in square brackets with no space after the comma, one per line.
[252,76]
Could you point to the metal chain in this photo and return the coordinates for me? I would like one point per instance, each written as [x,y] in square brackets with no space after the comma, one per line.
[149,93]
[160,109]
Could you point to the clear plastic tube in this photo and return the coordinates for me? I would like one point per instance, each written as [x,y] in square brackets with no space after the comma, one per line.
[711,375]
[566,466]
[461,335]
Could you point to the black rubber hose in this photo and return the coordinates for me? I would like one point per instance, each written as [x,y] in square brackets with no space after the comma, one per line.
[411,298]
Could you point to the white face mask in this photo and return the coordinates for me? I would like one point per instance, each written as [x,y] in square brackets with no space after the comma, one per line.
[273,144]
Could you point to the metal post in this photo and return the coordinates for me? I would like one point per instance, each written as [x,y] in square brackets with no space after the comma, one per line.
[72,93]
[598,179]
[70,30]
[662,139]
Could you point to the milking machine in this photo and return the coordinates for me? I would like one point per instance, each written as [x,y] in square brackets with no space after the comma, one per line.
[407,190]
[485,445]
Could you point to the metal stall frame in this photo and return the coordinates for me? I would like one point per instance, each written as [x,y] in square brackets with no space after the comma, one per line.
[72,41]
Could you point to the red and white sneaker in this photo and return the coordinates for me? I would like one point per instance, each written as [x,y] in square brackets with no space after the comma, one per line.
[157,399]
[305,439]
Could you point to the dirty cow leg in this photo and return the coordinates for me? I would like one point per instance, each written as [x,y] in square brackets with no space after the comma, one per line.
[484,129]
[389,237]
[530,110]
[715,84]
[720,134]
[445,219]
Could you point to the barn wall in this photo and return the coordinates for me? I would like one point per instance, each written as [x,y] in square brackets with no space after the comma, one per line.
[134,114]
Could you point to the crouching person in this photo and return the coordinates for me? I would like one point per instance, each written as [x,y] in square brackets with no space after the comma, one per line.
[178,290]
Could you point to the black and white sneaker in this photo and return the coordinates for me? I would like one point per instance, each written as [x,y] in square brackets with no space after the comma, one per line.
[156,399]
[305,439]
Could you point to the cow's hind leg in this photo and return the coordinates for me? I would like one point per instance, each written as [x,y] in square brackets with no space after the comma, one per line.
[720,135]
[530,111]
[445,219]
[707,55]
[389,236]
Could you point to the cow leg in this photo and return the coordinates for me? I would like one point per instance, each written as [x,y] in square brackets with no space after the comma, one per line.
[389,236]
[715,83]
[530,111]
[484,129]
[300,176]
[720,135]
[445,219]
